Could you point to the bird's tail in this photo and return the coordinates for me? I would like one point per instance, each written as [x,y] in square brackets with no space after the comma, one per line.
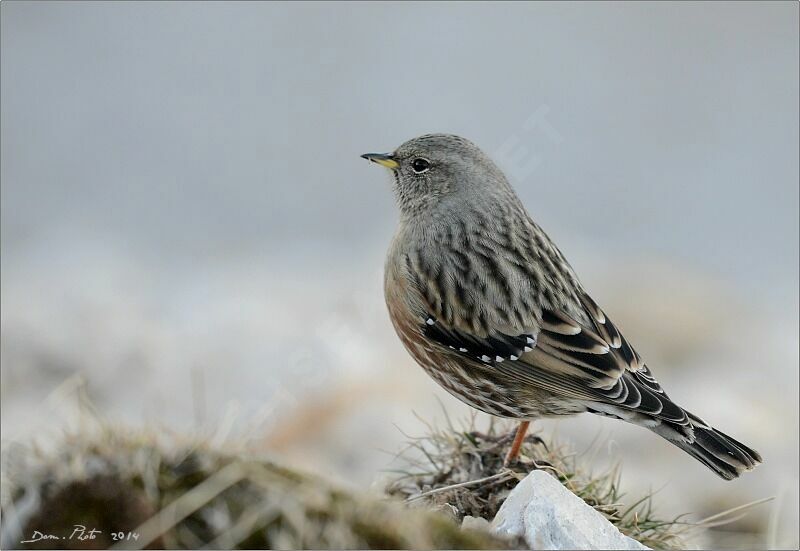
[724,455]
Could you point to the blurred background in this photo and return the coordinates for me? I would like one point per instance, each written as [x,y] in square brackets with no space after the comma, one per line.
[189,234]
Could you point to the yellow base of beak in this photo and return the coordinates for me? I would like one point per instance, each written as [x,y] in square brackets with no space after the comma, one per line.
[382,159]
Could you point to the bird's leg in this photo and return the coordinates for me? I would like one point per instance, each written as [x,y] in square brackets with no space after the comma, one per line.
[519,438]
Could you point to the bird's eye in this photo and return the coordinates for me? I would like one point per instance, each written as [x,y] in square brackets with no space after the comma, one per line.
[420,165]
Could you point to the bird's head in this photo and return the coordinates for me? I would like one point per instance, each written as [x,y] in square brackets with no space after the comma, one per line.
[435,172]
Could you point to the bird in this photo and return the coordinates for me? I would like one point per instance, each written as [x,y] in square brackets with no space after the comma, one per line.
[489,307]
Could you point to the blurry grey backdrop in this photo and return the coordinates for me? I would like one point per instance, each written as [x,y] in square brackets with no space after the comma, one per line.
[190,236]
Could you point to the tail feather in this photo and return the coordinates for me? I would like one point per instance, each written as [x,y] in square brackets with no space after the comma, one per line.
[719,452]
[724,455]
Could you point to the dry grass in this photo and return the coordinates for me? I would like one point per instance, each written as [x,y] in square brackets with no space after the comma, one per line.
[461,472]
[182,494]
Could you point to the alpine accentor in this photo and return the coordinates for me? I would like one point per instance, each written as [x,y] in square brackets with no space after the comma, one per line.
[490,308]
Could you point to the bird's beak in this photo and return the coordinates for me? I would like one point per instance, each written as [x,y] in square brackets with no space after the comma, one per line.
[383,159]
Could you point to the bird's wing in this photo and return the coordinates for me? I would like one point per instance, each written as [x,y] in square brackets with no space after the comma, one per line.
[587,361]
[602,360]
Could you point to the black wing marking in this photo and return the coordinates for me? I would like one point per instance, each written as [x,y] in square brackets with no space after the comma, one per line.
[494,348]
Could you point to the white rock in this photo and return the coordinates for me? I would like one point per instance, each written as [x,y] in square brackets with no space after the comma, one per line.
[548,516]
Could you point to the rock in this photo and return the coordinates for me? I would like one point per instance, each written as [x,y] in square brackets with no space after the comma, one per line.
[548,516]
[475,523]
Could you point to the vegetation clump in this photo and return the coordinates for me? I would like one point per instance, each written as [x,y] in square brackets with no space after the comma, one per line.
[461,472]
[180,492]
[186,495]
